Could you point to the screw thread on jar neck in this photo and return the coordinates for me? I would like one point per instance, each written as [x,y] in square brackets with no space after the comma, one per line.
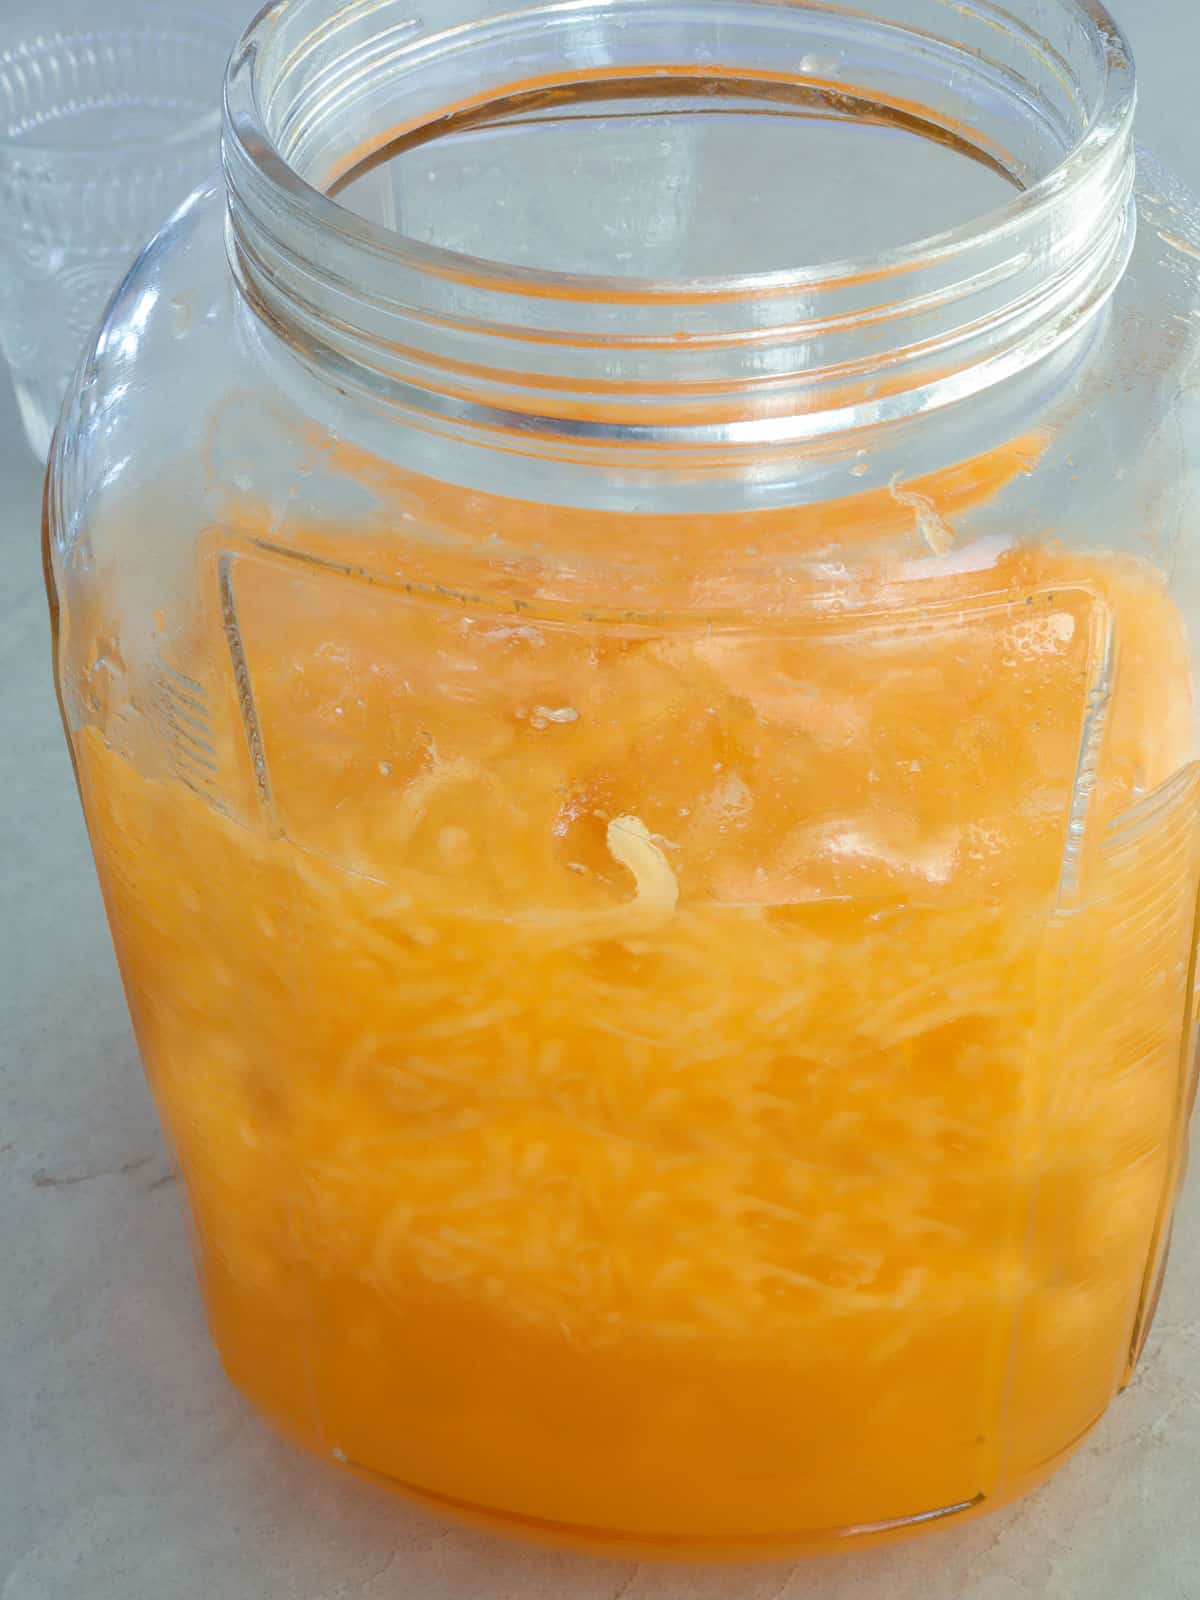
[727,369]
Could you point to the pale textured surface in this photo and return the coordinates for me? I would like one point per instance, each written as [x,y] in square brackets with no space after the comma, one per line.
[129,1468]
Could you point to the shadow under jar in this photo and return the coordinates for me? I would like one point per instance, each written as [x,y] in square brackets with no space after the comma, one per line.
[625,599]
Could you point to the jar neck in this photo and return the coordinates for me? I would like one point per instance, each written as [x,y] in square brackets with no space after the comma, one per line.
[698,374]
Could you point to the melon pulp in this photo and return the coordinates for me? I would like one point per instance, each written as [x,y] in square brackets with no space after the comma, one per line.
[696,1086]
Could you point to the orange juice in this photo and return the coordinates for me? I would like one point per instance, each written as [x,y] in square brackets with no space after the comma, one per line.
[698,1087]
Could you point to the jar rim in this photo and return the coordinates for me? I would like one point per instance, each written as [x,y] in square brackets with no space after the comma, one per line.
[738,366]
[1109,126]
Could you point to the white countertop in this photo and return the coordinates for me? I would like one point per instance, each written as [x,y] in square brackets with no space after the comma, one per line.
[130,1469]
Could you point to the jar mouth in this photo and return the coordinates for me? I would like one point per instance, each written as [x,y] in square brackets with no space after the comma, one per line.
[753,358]
[1110,119]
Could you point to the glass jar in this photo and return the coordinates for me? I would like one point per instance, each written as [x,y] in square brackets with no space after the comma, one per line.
[640,745]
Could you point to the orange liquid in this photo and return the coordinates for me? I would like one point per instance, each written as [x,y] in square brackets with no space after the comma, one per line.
[710,1090]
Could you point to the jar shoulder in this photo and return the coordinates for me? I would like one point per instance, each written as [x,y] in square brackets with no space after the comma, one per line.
[159,366]
[186,406]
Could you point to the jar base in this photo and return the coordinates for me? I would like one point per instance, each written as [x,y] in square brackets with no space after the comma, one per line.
[668,1548]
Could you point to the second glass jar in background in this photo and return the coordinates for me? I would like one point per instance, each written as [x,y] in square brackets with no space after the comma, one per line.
[109,118]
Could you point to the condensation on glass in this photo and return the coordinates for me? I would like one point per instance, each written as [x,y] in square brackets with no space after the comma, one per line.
[626,597]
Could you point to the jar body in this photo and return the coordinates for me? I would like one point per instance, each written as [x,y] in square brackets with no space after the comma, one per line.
[676,1029]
